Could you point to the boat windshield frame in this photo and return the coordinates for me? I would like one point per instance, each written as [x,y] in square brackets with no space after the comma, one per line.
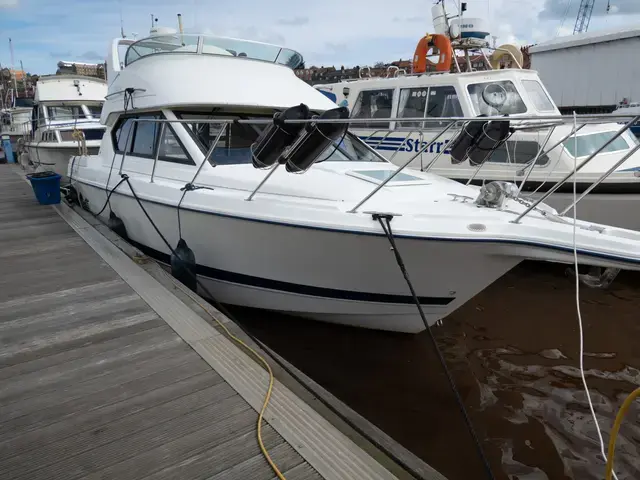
[348,148]
[198,44]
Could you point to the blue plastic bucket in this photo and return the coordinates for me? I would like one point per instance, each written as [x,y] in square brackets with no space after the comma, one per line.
[46,187]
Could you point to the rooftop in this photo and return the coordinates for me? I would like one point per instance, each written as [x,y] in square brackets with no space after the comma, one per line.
[587,38]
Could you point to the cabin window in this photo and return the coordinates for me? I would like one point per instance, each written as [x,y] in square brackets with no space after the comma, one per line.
[69,112]
[588,144]
[538,96]
[123,135]
[373,104]
[512,101]
[430,102]
[145,136]
[171,148]
[94,110]
[234,145]
[518,152]
[141,139]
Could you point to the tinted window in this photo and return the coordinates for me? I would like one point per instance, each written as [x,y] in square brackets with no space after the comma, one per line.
[519,152]
[443,102]
[65,113]
[170,147]
[124,135]
[234,145]
[512,102]
[373,104]
[588,144]
[433,102]
[413,102]
[538,96]
[144,138]
[95,110]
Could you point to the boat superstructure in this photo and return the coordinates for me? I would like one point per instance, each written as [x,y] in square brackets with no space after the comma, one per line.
[214,146]
[64,120]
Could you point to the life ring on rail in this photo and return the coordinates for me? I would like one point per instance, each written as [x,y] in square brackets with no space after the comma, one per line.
[445,51]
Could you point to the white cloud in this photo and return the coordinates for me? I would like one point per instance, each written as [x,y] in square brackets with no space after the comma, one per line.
[8,3]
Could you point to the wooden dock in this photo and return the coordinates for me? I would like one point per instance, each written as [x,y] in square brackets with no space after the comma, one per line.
[106,373]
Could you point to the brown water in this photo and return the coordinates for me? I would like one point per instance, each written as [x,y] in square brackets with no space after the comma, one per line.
[513,351]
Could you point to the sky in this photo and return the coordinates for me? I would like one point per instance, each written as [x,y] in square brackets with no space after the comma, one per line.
[329,32]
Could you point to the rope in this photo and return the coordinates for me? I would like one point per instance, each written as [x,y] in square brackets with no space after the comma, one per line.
[78,135]
[385,223]
[263,449]
[616,428]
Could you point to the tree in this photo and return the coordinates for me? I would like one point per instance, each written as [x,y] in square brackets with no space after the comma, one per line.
[379,65]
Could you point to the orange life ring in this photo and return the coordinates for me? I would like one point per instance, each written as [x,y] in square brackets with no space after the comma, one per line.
[442,43]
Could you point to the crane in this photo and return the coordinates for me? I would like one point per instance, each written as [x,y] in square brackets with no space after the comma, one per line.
[584,15]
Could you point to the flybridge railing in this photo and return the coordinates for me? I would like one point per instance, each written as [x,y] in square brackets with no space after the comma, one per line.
[546,123]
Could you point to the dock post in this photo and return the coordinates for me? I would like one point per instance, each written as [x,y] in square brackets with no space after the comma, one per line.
[6,147]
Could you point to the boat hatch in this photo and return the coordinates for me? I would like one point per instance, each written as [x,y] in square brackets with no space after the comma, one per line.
[379,176]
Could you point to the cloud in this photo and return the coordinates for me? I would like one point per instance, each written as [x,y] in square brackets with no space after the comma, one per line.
[92,56]
[416,19]
[8,3]
[293,22]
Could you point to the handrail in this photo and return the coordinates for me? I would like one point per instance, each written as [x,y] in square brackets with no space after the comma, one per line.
[561,119]
[601,178]
[576,170]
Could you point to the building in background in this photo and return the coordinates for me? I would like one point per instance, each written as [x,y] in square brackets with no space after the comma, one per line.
[78,68]
[590,72]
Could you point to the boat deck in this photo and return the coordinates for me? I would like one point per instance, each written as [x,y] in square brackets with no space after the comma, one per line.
[106,373]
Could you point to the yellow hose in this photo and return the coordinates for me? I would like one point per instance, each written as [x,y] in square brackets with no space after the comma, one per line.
[267,397]
[614,431]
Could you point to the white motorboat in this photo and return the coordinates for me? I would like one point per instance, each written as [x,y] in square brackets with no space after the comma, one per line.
[65,120]
[550,150]
[629,108]
[14,118]
[189,120]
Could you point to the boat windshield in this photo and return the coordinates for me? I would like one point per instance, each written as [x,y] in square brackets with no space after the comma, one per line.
[65,112]
[234,145]
[211,45]
[496,98]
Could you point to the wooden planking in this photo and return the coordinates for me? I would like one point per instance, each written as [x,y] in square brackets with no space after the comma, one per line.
[304,471]
[220,414]
[257,468]
[92,382]
[93,411]
[38,412]
[215,458]
[119,429]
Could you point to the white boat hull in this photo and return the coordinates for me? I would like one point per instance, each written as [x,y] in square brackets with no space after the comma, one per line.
[333,276]
[55,158]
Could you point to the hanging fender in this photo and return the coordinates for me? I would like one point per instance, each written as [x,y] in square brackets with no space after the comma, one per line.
[445,51]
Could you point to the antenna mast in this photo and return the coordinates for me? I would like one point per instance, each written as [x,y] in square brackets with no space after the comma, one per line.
[13,69]
[24,79]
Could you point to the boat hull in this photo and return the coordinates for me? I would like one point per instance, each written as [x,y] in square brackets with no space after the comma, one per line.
[334,276]
[55,158]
